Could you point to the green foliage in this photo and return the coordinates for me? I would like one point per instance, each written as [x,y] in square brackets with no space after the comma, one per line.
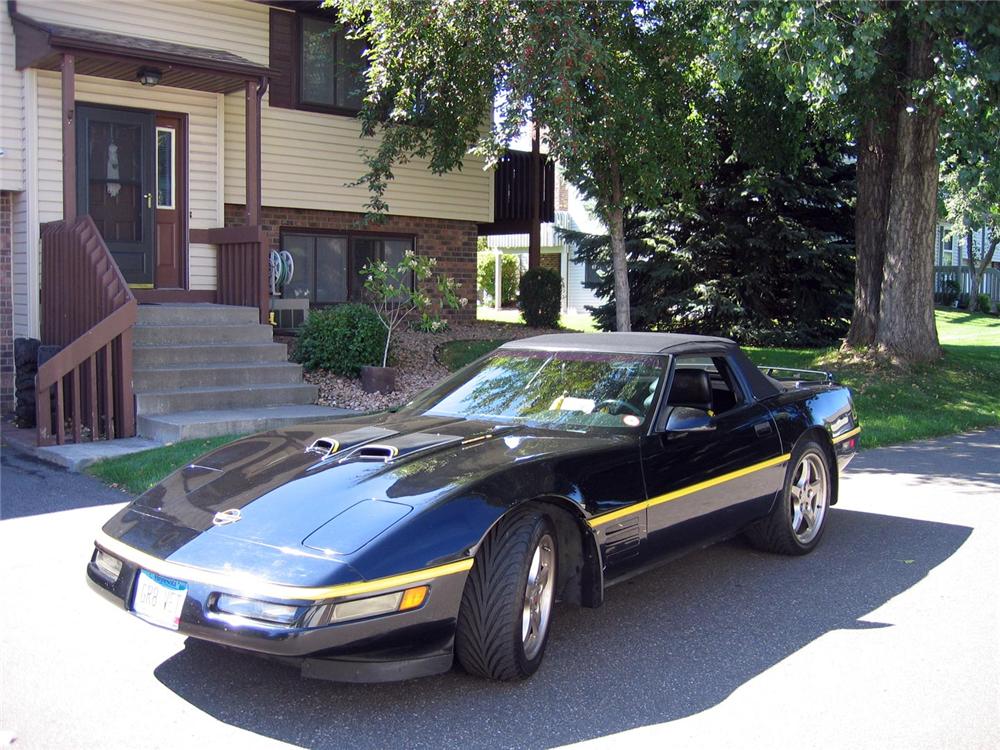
[949,292]
[457,353]
[399,290]
[540,295]
[509,273]
[761,255]
[985,304]
[341,339]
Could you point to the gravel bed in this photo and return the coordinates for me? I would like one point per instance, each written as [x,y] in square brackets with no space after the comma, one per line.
[413,354]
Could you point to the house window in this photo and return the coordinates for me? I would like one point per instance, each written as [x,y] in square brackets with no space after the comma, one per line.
[331,66]
[328,266]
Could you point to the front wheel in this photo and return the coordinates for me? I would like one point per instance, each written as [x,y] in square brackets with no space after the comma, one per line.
[797,521]
[503,623]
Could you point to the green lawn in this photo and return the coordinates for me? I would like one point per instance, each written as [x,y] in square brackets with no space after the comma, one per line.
[570,321]
[137,472]
[959,392]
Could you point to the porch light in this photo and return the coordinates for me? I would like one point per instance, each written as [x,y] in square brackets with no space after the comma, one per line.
[149,76]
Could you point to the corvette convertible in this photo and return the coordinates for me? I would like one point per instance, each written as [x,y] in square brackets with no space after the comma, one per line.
[386,547]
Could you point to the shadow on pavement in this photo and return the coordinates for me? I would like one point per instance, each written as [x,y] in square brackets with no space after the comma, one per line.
[668,644]
[29,487]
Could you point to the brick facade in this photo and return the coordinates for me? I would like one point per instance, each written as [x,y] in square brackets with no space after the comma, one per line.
[552,261]
[452,243]
[6,304]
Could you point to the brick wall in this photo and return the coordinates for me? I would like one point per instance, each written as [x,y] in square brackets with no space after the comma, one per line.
[552,261]
[453,243]
[6,304]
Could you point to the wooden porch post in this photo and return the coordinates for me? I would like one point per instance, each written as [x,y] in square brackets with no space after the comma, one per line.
[534,195]
[253,154]
[69,136]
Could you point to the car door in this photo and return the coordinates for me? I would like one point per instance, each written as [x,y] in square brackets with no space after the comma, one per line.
[708,482]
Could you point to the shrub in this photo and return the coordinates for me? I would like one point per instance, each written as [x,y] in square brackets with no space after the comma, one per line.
[341,339]
[540,296]
[985,303]
[486,275]
[949,292]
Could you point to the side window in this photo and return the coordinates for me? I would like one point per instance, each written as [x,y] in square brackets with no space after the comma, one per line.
[706,383]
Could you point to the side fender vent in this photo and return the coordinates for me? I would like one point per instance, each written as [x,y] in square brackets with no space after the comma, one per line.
[324,447]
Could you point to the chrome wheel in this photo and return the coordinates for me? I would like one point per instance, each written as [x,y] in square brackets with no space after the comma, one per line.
[809,497]
[538,592]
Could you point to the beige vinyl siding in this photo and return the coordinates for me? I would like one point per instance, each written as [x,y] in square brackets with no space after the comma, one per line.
[236,26]
[203,151]
[11,112]
[308,160]
[21,269]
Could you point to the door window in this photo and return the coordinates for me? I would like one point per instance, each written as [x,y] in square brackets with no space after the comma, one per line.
[704,382]
[166,159]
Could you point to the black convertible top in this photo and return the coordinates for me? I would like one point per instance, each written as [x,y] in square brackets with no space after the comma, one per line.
[651,343]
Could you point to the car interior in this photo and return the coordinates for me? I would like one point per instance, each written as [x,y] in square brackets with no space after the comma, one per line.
[704,383]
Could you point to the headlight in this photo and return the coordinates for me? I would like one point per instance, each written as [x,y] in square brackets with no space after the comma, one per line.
[110,566]
[379,605]
[255,609]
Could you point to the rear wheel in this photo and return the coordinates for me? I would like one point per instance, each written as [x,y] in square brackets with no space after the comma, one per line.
[797,521]
[503,623]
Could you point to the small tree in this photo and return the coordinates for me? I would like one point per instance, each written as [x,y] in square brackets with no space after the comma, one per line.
[510,273]
[395,291]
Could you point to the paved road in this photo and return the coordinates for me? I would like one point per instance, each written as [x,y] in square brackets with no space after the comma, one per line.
[886,637]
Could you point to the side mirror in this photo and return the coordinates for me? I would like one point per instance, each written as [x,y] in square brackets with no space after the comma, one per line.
[686,419]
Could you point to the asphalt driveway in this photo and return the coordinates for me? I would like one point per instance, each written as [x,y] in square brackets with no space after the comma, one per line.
[887,636]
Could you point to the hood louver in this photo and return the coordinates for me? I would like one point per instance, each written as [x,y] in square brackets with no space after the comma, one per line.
[326,446]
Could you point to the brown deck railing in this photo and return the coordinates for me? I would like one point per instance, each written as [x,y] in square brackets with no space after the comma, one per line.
[88,310]
[242,268]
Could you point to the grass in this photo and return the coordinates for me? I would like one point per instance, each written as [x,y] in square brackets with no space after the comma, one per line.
[570,321]
[959,392]
[137,472]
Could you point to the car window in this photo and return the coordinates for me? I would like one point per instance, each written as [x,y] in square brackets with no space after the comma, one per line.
[706,383]
[570,390]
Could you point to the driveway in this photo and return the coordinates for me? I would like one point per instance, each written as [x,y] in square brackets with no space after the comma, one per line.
[887,636]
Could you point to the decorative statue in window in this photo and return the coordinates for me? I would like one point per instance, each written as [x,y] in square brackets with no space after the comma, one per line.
[112,170]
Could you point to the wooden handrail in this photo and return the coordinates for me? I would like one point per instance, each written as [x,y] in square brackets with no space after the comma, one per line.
[242,267]
[89,310]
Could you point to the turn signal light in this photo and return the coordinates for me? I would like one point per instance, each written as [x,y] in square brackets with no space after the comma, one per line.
[413,598]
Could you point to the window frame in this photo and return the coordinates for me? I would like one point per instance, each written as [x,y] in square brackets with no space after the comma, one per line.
[350,236]
[173,166]
[298,72]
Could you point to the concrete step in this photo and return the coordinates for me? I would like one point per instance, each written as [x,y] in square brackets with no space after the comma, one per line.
[196,315]
[242,333]
[223,397]
[178,377]
[164,355]
[202,424]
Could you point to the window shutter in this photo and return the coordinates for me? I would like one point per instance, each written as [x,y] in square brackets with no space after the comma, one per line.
[283,46]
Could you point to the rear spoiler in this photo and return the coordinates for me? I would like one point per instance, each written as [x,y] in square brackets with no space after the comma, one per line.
[795,373]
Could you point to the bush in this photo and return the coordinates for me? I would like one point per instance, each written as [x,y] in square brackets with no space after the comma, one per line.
[985,303]
[341,339]
[950,291]
[540,296]
[486,275]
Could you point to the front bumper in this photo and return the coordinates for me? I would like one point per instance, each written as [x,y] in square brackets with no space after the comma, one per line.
[396,646]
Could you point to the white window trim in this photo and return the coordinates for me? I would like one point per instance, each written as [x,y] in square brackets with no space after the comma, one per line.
[173,167]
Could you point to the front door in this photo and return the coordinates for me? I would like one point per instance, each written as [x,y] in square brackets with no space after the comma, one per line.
[116,171]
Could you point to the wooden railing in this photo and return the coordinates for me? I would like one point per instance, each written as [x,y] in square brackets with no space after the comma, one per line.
[88,310]
[989,283]
[242,266]
[512,188]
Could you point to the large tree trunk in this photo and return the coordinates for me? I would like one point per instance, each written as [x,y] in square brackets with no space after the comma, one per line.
[619,261]
[906,328]
[876,157]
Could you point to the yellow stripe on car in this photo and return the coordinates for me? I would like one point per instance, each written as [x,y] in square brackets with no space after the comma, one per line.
[849,434]
[684,491]
[248,585]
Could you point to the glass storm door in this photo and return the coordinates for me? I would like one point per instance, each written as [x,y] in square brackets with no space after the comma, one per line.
[116,184]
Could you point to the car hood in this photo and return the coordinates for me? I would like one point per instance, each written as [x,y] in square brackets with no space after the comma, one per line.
[325,490]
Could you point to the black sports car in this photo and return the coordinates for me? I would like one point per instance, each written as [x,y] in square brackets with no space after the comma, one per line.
[381,547]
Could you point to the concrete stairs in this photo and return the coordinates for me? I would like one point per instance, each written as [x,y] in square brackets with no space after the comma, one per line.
[202,370]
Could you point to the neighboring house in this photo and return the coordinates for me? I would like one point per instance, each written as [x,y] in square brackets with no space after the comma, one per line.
[557,254]
[197,137]
[951,260]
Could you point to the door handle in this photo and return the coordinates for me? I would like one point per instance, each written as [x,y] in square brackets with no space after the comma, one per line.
[762,428]
[149,200]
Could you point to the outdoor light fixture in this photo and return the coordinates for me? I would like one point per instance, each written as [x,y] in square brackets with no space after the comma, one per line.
[149,76]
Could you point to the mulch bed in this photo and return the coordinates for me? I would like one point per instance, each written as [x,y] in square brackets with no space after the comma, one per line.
[413,353]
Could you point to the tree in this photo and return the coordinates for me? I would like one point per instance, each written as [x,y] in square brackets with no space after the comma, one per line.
[895,75]
[615,85]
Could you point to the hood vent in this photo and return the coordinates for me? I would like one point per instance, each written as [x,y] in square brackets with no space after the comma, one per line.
[325,446]
[376,452]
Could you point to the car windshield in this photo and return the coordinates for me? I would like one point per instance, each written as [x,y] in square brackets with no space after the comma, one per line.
[563,390]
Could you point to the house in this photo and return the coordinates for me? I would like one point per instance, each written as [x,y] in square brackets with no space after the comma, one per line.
[951,261]
[556,253]
[153,155]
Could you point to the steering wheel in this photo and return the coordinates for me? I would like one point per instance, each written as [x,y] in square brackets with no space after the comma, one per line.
[619,404]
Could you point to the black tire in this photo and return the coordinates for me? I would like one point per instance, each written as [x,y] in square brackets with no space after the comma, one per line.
[776,532]
[488,641]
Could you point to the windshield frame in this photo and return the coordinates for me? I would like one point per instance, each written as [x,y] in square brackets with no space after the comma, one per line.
[422,403]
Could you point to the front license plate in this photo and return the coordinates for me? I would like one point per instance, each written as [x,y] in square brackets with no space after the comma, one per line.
[159,600]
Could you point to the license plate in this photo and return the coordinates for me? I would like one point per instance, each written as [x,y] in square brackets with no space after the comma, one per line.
[159,600]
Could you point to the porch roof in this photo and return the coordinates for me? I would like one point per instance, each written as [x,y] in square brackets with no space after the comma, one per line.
[106,55]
